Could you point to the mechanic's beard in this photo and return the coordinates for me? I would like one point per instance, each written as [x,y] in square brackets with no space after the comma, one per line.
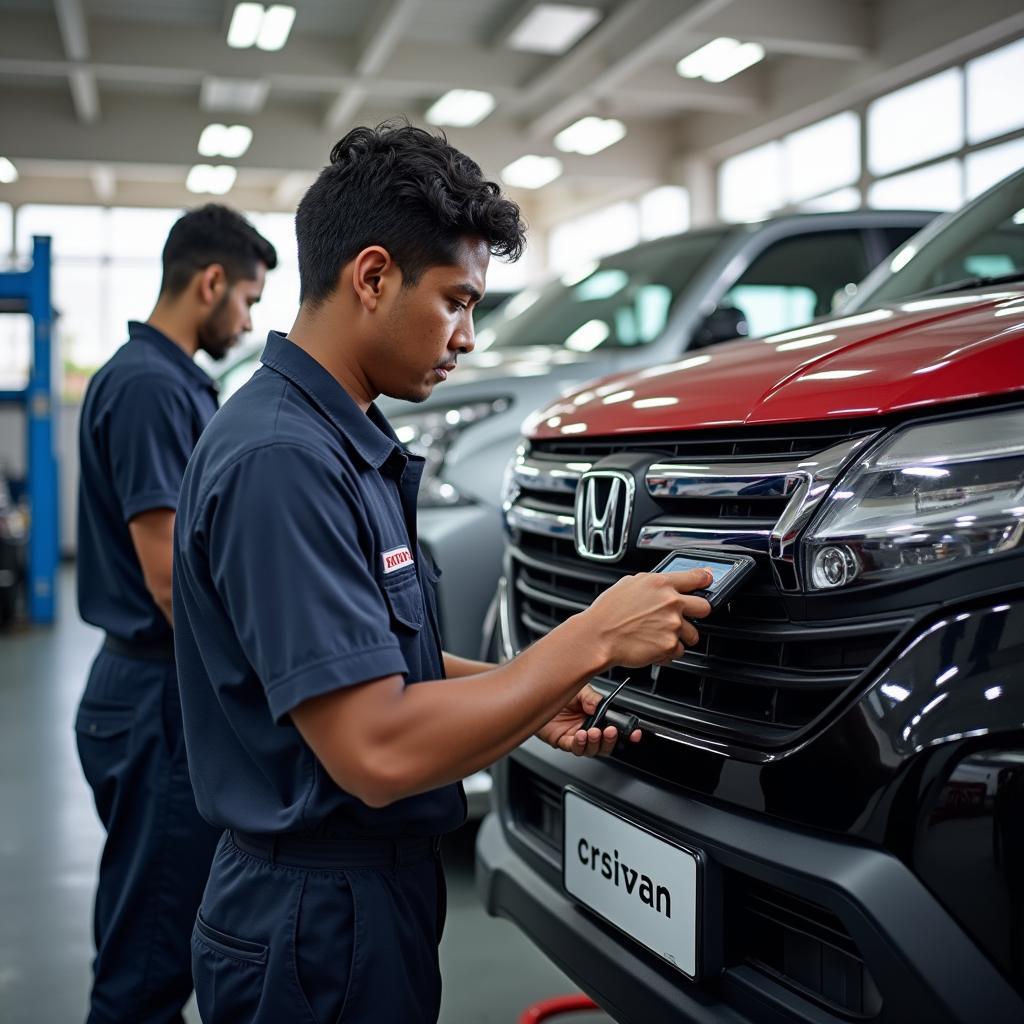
[215,338]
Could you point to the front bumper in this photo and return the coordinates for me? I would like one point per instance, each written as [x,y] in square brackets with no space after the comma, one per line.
[925,966]
[877,820]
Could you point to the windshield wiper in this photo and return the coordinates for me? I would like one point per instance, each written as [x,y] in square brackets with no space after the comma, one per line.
[970,282]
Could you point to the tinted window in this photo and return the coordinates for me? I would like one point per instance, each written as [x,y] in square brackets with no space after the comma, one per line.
[794,280]
[985,239]
[621,302]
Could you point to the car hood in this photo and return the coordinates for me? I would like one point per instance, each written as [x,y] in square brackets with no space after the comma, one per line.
[918,353]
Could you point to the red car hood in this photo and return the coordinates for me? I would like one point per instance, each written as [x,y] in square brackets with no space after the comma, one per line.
[919,353]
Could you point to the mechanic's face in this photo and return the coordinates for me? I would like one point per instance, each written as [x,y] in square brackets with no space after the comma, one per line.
[230,317]
[430,324]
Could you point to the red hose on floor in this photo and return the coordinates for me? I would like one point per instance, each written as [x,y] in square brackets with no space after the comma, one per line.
[553,1007]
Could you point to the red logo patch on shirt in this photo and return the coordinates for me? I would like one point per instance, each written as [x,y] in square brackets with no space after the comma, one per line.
[395,559]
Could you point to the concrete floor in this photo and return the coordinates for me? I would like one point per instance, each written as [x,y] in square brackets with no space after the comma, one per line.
[50,841]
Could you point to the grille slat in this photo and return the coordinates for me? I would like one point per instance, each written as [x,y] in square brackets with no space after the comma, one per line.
[757,671]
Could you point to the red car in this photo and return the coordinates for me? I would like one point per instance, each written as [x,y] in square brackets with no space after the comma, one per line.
[825,818]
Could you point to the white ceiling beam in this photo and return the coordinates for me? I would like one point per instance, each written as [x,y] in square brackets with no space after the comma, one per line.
[162,130]
[75,38]
[656,25]
[659,89]
[832,29]
[104,182]
[73,32]
[309,64]
[85,95]
[378,42]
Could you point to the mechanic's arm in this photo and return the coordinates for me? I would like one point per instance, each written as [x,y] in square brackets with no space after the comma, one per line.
[456,667]
[383,740]
[152,535]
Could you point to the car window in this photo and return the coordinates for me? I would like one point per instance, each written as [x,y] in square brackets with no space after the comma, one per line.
[794,280]
[620,302]
[984,239]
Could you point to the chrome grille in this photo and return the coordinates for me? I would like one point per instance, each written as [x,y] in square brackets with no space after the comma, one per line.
[760,672]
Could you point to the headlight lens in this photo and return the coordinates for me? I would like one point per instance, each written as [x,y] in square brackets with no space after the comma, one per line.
[929,495]
[431,434]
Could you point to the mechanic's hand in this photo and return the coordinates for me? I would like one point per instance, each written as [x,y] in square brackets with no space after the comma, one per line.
[565,731]
[643,619]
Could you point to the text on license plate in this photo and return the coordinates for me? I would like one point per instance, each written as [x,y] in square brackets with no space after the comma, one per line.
[644,885]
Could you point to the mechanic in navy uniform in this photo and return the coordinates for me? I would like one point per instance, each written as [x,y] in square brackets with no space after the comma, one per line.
[327,732]
[143,413]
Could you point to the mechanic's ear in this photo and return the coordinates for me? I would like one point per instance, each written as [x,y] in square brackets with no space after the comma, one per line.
[368,270]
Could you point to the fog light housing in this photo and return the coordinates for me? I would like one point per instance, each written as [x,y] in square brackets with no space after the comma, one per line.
[835,565]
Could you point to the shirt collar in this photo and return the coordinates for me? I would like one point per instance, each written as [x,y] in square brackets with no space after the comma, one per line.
[138,331]
[370,433]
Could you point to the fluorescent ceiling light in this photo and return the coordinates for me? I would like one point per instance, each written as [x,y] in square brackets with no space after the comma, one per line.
[246,22]
[461,108]
[225,140]
[215,180]
[8,172]
[255,25]
[532,171]
[277,23]
[590,135]
[720,59]
[553,28]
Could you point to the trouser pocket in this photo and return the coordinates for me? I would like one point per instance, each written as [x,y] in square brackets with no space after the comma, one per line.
[103,731]
[228,972]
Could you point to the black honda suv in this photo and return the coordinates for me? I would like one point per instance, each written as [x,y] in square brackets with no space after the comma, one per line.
[824,820]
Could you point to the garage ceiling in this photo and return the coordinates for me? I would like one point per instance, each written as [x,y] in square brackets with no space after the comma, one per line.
[105,100]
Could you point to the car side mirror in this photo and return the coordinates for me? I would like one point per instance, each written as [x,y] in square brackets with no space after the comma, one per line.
[723,323]
[841,296]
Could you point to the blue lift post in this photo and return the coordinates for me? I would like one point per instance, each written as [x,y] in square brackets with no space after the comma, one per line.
[28,291]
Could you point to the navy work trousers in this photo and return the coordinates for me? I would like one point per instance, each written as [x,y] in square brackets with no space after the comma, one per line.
[278,940]
[157,853]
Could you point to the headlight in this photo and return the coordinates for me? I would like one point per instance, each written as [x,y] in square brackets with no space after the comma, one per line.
[431,434]
[926,496]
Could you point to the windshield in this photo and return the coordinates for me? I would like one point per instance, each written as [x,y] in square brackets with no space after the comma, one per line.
[985,239]
[619,302]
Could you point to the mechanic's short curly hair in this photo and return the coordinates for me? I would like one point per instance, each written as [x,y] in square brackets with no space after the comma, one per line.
[406,190]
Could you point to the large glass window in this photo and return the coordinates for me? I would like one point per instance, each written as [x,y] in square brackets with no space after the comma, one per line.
[594,235]
[833,202]
[795,280]
[808,172]
[664,211]
[985,167]
[75,230]
[936,187]
[995,85]
[6,232]
[916,123]
[750,183]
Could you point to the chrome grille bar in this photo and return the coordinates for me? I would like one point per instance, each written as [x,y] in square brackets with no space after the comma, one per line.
[546,475]
[736,480]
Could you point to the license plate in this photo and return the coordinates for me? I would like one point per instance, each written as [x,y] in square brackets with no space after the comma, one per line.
[646,886]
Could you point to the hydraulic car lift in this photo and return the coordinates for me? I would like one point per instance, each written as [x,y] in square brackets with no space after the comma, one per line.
[28,291]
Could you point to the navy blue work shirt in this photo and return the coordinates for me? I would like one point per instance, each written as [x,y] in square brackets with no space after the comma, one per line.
[142,415]
[297,573]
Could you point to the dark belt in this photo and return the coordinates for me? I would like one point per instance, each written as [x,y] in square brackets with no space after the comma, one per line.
[318,852]
[148,650]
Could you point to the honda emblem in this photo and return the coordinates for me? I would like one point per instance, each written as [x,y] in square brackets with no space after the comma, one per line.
[604,507]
